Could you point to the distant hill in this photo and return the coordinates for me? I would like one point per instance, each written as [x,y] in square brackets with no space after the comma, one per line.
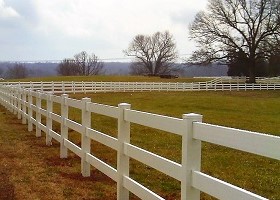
[116,68]
[119,68]
[35,69]
[210,70]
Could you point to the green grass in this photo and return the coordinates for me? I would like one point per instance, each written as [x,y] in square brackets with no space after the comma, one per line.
[252,110]
[109,78]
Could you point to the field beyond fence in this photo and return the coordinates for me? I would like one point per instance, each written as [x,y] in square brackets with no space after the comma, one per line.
[217,84]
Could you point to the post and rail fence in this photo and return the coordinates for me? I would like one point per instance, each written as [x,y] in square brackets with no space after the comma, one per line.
[24,102]
[217,84]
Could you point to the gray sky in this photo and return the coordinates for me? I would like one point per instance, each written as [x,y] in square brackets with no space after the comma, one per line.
[56,29]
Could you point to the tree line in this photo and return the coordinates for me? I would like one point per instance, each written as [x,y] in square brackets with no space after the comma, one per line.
[14,71]
[83,64]
[243,34]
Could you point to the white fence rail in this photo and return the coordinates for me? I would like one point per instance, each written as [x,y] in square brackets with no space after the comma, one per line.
[24,102]
[89,87]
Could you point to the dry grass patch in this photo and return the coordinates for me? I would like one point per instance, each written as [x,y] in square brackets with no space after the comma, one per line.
[31,170]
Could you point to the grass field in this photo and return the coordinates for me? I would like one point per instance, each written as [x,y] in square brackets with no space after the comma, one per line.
[111,79]
[27,163]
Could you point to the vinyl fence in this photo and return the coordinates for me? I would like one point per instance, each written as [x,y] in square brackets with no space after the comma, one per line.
[24,102]
[89,87]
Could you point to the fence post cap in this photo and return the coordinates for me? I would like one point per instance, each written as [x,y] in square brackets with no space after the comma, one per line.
[86,99]
[124,105]
[192,116]
[64,95]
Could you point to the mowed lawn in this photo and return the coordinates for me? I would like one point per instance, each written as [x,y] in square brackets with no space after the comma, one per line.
[31,170]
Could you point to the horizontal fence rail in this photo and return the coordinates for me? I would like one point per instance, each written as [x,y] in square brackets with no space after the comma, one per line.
[218,84]
[24,103]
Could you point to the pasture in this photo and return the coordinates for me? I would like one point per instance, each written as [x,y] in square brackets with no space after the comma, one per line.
[252,110]
[104,78]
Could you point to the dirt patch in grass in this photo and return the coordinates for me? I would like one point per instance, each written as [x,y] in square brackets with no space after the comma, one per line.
[7,188]
[31,170]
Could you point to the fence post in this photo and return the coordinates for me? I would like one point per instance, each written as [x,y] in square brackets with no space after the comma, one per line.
[38,113]
[63,87]
[7,97]
[83,87]
[19,103]
[31,88]
[30,126]
[64,128]
[86,122]
[191,157]
[4,97]
[11,100]
[52,87]
[122,159]
[49,119]
[266,86]
[238,86]
[42,87]
[24,121]
[72,87]
[15,102]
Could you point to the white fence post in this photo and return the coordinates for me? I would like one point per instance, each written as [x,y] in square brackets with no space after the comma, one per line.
[19,103]
[191,157]
[30,126]
[238,86]
[11,100]
[63,87]
[74,87]
[38,113]
[24,121]
[64,128]
[83,87]
[86,122]
[122,159]
[8,99]
[52,87]
[15,101]
[49,119]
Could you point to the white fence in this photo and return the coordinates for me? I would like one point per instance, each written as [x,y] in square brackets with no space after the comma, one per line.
[191,128]
[88,87]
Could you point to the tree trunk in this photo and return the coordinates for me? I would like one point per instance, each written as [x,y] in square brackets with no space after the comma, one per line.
[252,71]
[252,77]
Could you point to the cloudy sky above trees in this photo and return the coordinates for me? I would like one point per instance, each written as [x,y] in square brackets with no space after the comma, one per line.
[56,29]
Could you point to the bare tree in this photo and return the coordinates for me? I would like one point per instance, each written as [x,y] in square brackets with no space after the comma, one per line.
[154,54]
[82,64]
[88,64]
[249,26]
[68,67]
[16,71]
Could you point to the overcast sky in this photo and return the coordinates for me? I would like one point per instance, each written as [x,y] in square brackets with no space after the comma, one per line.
[56,29]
